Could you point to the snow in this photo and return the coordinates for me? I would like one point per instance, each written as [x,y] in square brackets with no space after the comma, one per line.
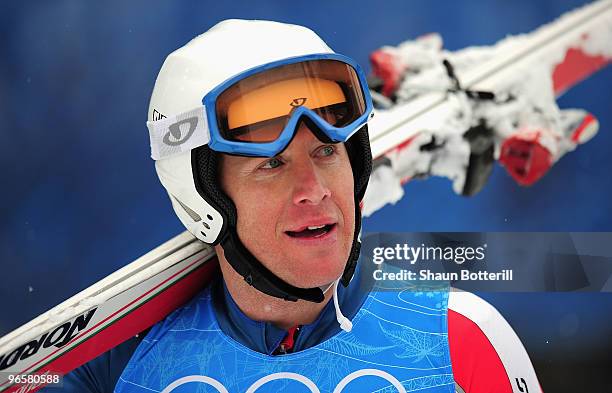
[518,69]
[382,189]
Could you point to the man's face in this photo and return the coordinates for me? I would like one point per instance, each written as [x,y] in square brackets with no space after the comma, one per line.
[309,185]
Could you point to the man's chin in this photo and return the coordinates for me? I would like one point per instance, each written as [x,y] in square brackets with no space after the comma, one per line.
[316,276]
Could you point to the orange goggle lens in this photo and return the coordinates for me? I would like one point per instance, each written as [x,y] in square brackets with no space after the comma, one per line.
[256,109]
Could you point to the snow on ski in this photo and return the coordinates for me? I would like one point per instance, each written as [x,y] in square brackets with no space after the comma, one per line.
[435,129]
[556,56]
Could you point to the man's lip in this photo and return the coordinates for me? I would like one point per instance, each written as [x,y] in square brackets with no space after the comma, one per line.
[313,223]
[328,238]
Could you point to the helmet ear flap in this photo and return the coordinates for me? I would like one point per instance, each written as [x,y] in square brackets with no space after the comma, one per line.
[199,217]
[360,156]
[204,164]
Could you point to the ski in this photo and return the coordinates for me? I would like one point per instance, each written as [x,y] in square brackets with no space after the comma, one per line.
[455,129]
[107,313]
[452,114]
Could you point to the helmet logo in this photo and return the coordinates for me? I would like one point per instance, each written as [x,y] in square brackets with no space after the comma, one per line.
[298,102]
[175,131]
[157,115]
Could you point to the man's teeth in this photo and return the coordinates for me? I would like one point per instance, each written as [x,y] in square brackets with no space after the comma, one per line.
[312,231]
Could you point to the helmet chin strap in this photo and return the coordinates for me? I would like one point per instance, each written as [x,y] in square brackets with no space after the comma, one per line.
[262,279]
[258,276]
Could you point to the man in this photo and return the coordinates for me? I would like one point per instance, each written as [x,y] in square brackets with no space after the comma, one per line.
[259,132]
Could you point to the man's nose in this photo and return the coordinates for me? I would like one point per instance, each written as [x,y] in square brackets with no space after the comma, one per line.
[310,185]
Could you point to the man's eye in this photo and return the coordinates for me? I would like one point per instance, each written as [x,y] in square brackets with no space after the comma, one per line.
[272,163]
[327,151]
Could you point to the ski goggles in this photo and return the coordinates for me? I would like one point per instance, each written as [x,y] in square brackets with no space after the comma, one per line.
[257,112]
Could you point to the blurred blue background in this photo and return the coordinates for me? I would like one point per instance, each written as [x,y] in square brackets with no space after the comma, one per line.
[80,197]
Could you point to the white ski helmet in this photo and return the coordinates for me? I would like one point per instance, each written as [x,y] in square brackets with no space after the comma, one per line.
[190,178]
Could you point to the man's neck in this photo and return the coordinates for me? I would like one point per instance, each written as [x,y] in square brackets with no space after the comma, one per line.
[261,307]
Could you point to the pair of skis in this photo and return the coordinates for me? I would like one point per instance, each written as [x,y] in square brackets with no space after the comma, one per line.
[419,129]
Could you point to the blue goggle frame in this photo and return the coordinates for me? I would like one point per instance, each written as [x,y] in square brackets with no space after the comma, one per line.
[270,149]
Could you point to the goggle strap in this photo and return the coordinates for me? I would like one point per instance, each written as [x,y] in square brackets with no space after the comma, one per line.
[174,135]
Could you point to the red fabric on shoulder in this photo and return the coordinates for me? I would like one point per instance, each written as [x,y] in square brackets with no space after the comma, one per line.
[477,367]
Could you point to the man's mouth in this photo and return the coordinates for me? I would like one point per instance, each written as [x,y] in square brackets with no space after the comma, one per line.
[312,231]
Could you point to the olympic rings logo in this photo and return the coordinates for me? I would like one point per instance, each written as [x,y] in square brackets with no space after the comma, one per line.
[287,375]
